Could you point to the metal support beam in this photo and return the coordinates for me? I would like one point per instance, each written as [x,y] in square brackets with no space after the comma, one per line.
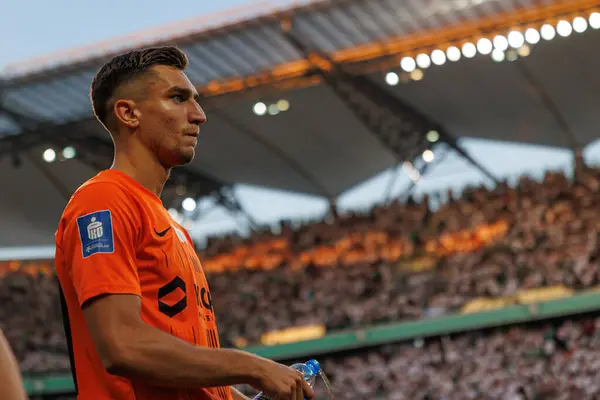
[229,200]
[454,144]
[550,105]
[442,152]
[399,126]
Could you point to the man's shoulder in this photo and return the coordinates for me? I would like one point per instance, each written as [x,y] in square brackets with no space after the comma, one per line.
[100,188]
[100,182]
[97,202]
[99,193]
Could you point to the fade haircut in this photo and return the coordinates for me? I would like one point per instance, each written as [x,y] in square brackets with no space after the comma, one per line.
[125,68]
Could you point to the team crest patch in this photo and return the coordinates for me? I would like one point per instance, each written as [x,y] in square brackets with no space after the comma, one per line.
[96,233]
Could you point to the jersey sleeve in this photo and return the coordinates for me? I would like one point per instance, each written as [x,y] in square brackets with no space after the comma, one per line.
[99,233]
[188,237]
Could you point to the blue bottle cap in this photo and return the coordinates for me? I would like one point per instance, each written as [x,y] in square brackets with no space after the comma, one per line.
[313,366]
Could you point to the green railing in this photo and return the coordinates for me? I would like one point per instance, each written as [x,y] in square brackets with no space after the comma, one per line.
[388,333]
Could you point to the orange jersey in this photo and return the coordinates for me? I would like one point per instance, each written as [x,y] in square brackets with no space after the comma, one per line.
[115,236]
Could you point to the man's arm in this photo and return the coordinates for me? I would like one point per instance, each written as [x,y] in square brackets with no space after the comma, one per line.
[10,377]
[237,395]
[130,348]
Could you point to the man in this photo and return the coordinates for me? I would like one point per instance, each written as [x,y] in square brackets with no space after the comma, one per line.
[10,377]
[140,315]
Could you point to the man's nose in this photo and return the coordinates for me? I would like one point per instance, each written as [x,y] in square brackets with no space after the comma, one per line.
[197,115]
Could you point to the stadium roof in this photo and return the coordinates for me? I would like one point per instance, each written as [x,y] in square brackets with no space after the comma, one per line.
[315,57]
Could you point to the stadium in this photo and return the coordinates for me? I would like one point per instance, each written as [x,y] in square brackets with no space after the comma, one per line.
[490,292]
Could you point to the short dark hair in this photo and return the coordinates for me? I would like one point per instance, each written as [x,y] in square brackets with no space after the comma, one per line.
[126,67]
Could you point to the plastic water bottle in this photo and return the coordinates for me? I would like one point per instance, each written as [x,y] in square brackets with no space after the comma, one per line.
[309,369]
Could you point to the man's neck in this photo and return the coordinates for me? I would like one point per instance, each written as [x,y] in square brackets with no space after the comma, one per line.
[143,167]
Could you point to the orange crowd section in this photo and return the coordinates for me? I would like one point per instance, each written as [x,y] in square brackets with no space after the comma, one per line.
[353,249]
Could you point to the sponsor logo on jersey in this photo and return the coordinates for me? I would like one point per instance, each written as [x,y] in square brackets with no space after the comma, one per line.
[96,233]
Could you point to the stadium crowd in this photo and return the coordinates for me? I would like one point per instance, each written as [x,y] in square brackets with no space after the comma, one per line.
[487,243]
[557,360]
[396,262]
[553,361]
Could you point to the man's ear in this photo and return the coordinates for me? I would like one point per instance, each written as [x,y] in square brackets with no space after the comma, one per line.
[127,113]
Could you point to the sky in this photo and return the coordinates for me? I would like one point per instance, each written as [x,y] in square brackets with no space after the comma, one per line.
[35,28]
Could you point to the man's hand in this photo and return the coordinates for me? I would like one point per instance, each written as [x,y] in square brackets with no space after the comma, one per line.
[281,382]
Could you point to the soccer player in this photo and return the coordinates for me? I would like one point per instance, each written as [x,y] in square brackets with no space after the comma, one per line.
[140,320]
[10,377]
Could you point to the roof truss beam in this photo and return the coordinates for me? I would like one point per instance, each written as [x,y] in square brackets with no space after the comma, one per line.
[399,126]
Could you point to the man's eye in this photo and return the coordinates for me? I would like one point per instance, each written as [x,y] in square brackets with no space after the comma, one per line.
[178,98]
